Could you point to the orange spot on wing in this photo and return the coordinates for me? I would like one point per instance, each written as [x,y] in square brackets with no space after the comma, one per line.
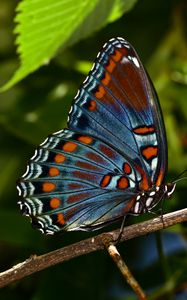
[150,152]
[117,55]
[92,105]
[85,139]
[144,130]
[48,187]
[160,178]
[54,171]
[59,158]
[69,147]
[55,203]
[123,183]
[105,181]
[106,79]
[127,168]
[100,92]
[111,65]
[60,219]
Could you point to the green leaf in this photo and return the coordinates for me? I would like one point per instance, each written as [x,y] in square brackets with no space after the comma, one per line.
[45,25]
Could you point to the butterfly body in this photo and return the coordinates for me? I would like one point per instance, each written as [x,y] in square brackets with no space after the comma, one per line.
[111,160]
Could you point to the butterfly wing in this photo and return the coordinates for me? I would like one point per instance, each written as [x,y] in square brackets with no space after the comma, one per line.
[117,103]
[86,176]
[76,182]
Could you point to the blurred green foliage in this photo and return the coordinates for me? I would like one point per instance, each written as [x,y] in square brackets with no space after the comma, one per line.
[39,105]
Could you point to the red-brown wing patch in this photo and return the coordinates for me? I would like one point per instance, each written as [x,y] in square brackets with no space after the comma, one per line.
[79,197]
[85,176]
[130,204]
[87,166]
[160,178]
[144,184]
[107,151]
[75,186]
[95,157]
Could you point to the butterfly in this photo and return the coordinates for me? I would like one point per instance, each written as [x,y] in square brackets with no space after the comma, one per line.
[110,161]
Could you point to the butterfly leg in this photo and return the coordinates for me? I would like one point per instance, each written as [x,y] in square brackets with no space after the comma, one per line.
[161,210]
[117,240]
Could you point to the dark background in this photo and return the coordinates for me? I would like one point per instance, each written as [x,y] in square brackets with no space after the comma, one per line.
[39,105]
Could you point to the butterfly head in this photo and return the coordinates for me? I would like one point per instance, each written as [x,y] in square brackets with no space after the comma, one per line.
[147,200]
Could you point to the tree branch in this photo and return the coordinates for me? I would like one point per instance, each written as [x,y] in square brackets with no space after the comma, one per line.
[123,268]
[37,263]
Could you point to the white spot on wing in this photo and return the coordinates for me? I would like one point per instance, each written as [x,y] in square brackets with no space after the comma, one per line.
[41,224]
[29,209]
[136,207]
[44,142]
[49,232]
[152,193]
[132,183]
[26,173]
[154,163]
[77,95]
[58,132]
[135,61]
[71,108]
[19,192]
[124,60]
[86,80]
[35,155]
[149,201]
[92,67]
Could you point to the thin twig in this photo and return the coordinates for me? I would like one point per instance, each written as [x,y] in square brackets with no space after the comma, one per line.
[37,263]
[113,252]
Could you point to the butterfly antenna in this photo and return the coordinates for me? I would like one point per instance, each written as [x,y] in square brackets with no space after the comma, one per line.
[179,177]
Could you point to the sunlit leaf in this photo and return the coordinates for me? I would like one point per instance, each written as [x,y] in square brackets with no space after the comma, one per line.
[44,25]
